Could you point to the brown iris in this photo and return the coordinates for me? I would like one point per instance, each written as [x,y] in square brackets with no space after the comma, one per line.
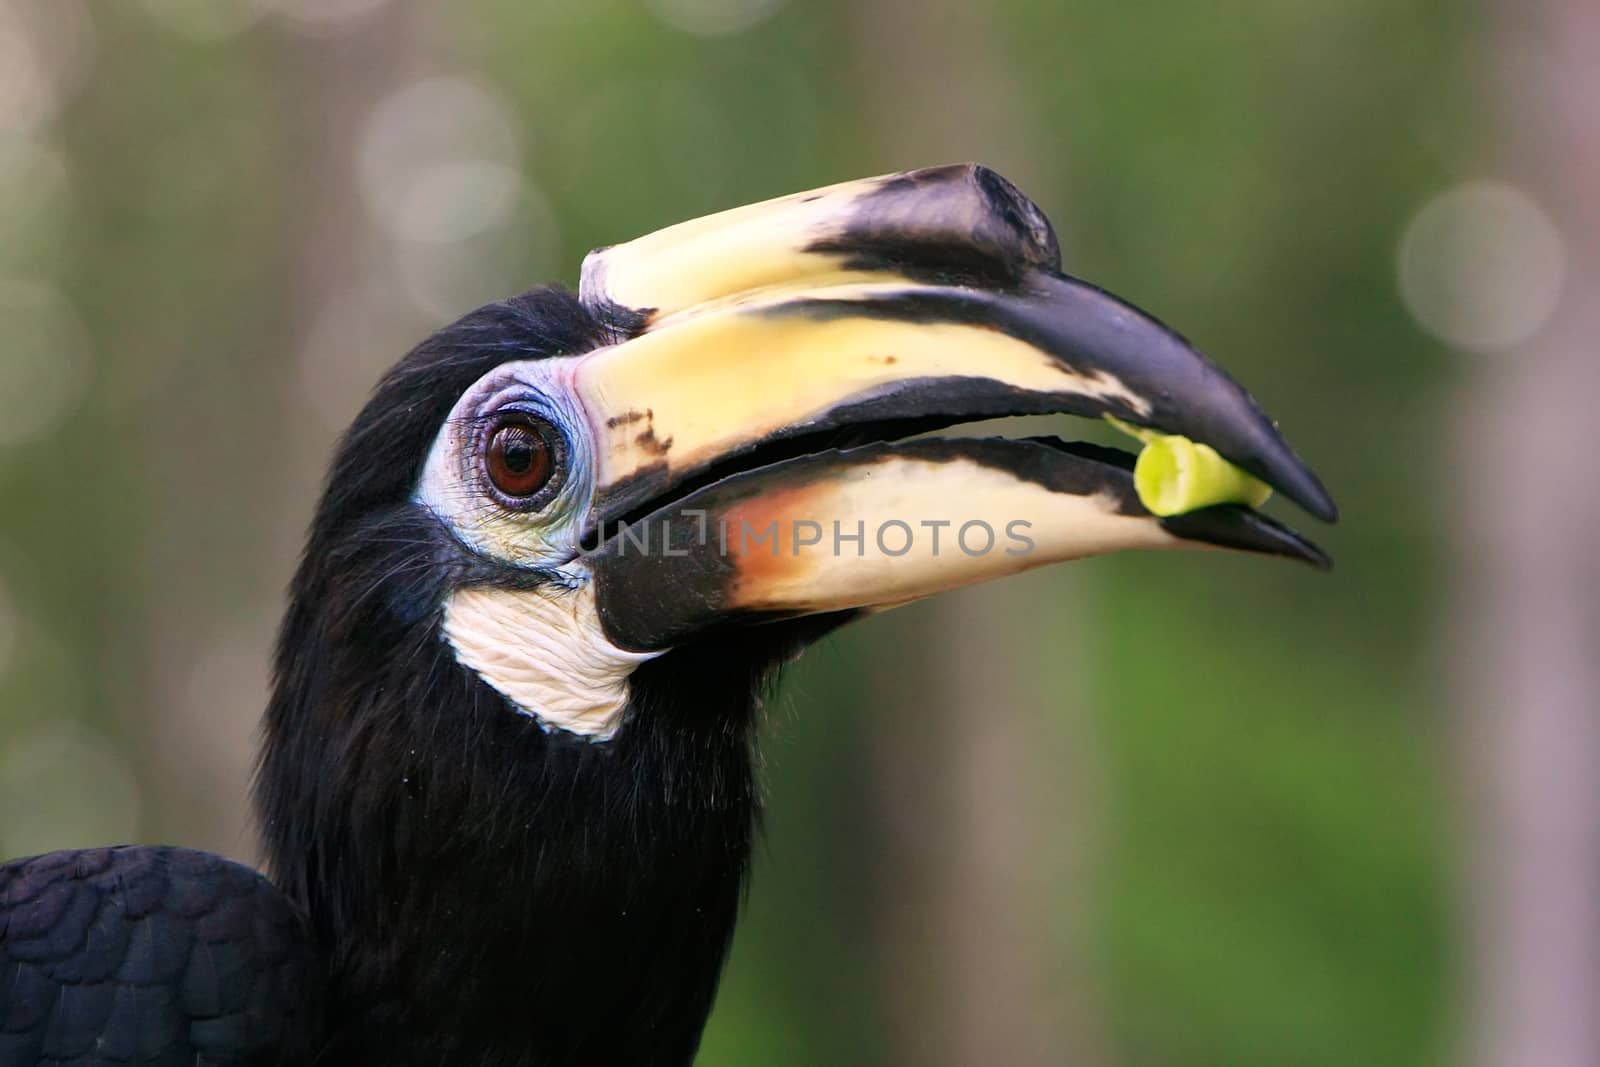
[519,457]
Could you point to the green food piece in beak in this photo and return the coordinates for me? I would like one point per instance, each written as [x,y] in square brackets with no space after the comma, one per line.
[1175,475]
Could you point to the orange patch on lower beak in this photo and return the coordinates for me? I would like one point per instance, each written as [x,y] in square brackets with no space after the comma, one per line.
[773,539]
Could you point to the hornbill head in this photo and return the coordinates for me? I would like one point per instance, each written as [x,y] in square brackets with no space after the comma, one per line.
[737,453]
[569,536]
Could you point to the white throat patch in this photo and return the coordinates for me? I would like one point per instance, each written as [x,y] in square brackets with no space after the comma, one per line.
[544,650]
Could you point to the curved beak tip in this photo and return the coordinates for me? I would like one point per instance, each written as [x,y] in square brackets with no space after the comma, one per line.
[1238,527]
[1307,490]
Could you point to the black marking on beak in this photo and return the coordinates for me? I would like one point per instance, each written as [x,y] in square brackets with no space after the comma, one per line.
[987,232]
[1235,526]
[1097,336]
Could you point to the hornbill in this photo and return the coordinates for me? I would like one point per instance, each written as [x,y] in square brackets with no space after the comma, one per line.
[506,787]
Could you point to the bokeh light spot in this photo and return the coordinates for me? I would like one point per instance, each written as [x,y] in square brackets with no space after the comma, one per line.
[713,18]
[46,48]
[456,200]
[62,785]
[213,720]
[444,280]
[356,336]
[44,360]
[27,99]
[434,157]
[35,207]
[1481,266]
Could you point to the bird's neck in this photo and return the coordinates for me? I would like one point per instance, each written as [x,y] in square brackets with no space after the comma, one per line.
[473,877]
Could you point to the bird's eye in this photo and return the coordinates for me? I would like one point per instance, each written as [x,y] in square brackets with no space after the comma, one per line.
[521,456]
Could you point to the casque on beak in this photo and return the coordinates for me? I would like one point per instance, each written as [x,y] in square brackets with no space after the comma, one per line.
[750,426]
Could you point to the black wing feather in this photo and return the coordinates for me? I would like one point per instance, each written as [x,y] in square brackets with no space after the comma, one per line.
[153,956]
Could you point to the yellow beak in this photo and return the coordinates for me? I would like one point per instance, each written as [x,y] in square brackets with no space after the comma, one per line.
[749,423]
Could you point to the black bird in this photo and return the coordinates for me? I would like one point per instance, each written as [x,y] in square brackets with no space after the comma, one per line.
[506,787]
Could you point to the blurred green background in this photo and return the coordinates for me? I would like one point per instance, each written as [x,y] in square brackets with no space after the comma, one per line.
[1142,810]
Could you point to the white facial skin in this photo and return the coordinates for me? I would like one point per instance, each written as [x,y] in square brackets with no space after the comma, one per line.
[542,531]
[541,648]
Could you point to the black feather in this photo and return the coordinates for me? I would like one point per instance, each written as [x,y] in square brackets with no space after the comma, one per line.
[104,960]
[478,892]
[491,893]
